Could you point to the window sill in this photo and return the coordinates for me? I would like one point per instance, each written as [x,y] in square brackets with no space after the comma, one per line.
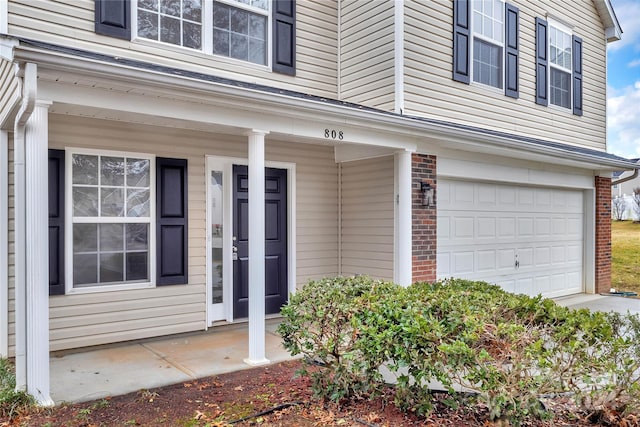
[109,288]
[484,87]
[559,109]
[200,54]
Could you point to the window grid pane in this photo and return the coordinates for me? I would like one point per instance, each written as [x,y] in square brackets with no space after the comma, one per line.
[560,88]
[176,22]
[488,19]
[109,260]
[239,33]
[487,63]
[111,188]
[560,48]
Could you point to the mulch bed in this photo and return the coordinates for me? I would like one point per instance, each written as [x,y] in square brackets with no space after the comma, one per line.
[240,397]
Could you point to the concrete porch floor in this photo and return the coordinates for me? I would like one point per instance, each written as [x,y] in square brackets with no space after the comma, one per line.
[121,369]
[129,367]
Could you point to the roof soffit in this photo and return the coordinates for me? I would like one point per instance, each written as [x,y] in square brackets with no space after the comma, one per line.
[299,115]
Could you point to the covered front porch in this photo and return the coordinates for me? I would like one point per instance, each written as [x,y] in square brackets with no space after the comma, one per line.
[98,372]
[346,209]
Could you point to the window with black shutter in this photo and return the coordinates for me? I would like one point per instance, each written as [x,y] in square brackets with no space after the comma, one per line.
[111,215]
[558,66]
[171,221]
[486,44]
[56,222]
[240,29]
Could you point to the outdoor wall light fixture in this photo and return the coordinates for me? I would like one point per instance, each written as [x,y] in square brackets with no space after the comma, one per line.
[427,194]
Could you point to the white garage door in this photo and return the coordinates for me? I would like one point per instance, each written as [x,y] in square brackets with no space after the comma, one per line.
[525,239]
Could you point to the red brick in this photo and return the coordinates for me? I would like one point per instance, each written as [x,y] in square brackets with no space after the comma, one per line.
[603,234]
[424,219]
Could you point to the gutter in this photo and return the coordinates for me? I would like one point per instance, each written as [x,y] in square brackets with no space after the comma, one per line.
[628,178]
[232,92]
[25,111]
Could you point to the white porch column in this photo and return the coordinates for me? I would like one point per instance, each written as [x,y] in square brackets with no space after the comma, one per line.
[256,250]
[37,253]
[404,241]
[4,245]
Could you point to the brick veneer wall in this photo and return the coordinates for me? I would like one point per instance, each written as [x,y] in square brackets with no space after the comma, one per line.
[603,234]
[424,219]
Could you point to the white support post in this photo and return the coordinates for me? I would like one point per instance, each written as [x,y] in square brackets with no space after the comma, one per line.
[256,250]
[4,243]
[29,89]
[37,253]
[404,255]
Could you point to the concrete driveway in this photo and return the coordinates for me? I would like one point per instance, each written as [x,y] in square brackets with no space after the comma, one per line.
[601,303]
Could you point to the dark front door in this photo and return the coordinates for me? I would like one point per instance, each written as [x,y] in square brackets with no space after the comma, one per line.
[276,289]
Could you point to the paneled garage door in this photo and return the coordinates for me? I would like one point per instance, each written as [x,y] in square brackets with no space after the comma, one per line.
[526,239]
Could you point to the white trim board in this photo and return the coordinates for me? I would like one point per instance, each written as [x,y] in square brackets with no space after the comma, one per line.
[503,172]
[4,243]
[227,163]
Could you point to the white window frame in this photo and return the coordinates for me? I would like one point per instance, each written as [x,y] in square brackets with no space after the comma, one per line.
[70,221]
[567,30]
[207,34]
[494,42]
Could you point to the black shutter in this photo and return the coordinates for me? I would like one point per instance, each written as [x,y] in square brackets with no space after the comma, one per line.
[171,221]
[542,63]
[284,36]
[113,18]
[56,222]
[577,76]
[461,41]
[511,51]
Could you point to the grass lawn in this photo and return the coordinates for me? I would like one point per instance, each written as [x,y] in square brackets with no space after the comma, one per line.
[625,254]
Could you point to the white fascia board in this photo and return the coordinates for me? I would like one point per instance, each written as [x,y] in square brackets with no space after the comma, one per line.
[503,170]
[613,30]
[233,116]
[300,117]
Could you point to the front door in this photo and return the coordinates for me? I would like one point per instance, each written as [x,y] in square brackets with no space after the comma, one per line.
[276,280]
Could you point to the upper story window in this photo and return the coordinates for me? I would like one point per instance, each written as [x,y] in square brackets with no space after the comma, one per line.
[240,29]
[261,32]
[559,67]
[236,29]
[488,42]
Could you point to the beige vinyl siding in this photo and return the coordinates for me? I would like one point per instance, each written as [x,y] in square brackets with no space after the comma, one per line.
[367,53]
[104,317]
[316,207]
[9,89]
[367,217]
[430,90]
[71,23]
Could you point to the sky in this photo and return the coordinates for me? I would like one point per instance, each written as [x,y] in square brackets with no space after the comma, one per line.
[623,83]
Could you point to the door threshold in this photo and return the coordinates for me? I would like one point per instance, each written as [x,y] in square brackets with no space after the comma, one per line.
[244,320]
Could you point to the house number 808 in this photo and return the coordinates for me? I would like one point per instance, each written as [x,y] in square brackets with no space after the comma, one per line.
[334,134]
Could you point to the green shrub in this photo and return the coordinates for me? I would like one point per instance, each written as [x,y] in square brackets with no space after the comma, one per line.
[507,349]
[318,323]
[612,376]
[12,402]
